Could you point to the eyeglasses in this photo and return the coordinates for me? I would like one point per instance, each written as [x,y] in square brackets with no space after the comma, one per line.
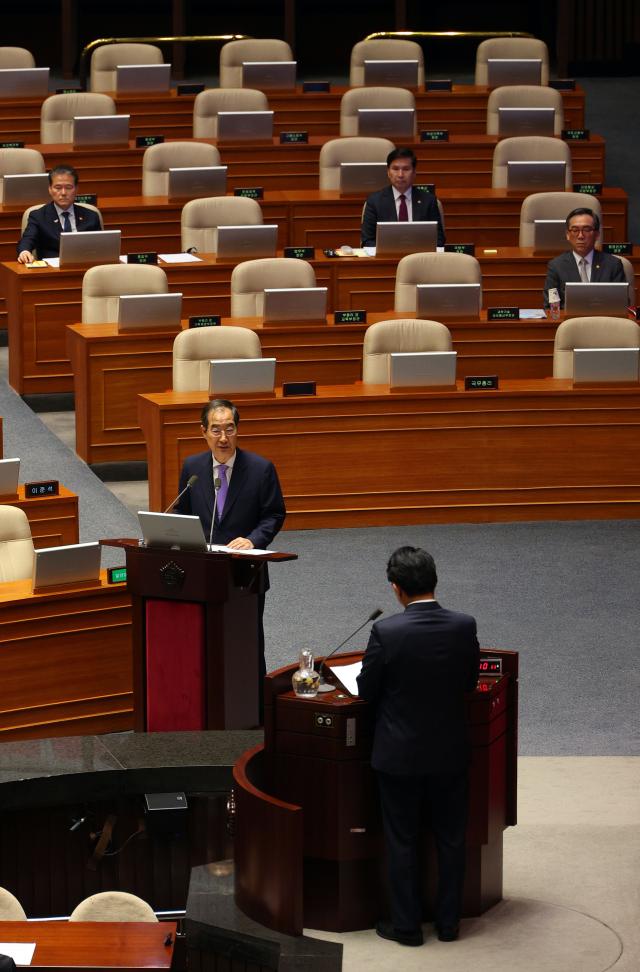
[229,430]
[581,230]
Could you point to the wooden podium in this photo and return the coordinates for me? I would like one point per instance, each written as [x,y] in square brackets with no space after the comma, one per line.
[308,848]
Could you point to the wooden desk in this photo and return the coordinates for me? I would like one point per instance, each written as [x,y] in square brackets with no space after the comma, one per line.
[71,945]
[534,450]
[53,519]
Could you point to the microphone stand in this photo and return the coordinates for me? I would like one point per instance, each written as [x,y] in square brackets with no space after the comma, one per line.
[325,686]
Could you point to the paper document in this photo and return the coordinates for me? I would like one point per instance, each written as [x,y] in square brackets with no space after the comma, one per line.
[254,552]
[52,261]
[531,314]
[347,675]
[179,258]
[20,952]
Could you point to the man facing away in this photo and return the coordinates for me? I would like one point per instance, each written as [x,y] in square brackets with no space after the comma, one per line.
[400,200]
[582,263]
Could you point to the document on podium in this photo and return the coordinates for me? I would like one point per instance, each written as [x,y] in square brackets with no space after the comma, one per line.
[251,552]
[347,675]
[20,952]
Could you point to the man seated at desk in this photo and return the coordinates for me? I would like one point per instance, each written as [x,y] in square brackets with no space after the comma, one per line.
[582,263]
[45,224]
[400,200]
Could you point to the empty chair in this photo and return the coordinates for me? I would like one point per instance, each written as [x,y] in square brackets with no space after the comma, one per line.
[349,149]
[385,49]
[201,217]
[113,906]
[251,278]
[19,161]
[524,96]
[58,112]
[510,47]
[158,159]
[16,563]
[385,337]
[590,332]
[373,97]
[529,148]
[10,907]
[102,287]
[629,273]
[432,268]
[208,103]
[194,349]
[234,53]
[16,57]
[106,59]
[552,205]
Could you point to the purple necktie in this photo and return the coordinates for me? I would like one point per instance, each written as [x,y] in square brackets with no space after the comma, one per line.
[224,488]
[403,212]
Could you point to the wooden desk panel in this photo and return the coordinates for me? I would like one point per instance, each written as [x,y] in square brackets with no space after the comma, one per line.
[53,519]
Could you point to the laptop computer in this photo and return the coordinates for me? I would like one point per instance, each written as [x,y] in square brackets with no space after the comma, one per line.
[143,77]
[550,234]
[249,376]
[149,312]
[396,74]
[196,181]
[172,530]
[397,238]
[536,175]
[74,564]
[589,299]
[9,471]
[245,126]
[526,121]
[513,70]
[605,364]
[298,305]
[247,242]
[25,189]
[414,369]
[363,177]
[90,249]
[387,122]
[434,301]
[101,129]
[274,75]
[24,82]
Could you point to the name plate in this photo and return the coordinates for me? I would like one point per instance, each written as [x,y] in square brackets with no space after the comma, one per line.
[575,134]
[68,90]
[563,84]
[618,249]
[350,317]
[591,188]
[293,138]
[90,198]
[434,135]
[47,487]
[480,382]
[205,320]
[144,141]
[188,89]
[116,575]
[503,314]
[426,187]
[142,257]
[251,192]
[468,248]
[298,388]
[11,144]
[300,252]
[314,87]
[439,84]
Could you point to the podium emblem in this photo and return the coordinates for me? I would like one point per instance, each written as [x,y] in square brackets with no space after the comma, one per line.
[172,576]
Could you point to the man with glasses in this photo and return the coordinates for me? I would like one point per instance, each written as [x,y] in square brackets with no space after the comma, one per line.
[45,224]
[582,263]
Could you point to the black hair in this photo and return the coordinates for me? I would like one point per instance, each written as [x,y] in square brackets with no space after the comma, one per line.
[63,170]
[214,404]
[584,211]
[402,153]
[413,570]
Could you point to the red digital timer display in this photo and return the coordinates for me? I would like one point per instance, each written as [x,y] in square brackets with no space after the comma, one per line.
[490,666]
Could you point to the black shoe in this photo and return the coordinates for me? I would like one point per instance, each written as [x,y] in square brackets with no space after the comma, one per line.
[386,930]
[448,934]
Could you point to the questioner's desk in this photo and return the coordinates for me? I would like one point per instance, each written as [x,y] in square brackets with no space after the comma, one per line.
[65,660]
[533,450]
[53,519]
[68,946]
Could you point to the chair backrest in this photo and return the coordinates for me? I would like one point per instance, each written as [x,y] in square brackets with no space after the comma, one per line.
[524,96]
[234,53]
[529,148]
[58,112]
[371,97]
[385,49]
[432,268]
[510,47]
[552,205]
[19,161]
[409,334]
[106,59]
[350,149]
[102,287]
[158,159]
[113,906]
[16,57]
[249,280]
[630,276]
[201,217]
[192,351]
[16,546]
[10,907]
[208,103]
[590,332]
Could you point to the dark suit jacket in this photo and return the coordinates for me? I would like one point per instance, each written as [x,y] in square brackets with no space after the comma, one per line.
[416,670]
[43,229]
[563,269]
[381,207]
[7,964]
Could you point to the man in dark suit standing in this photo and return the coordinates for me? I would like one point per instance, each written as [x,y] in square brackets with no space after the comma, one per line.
[416,670]
[582,263]
[400,200]
[44,226]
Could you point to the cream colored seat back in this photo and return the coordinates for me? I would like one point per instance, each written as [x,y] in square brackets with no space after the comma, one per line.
[10,907]
[529,148]
[102,287]
[234,53]
[158,159]
[106,59]
[510,47]
[58,112]
[251,278]
[201,217]
[432,268]
[350,149]
[590,332]
[16,57]
[385,337]
[19,161]
[113,906]
[16,545]
[371,97]
[524,96]
[194,349]
[208,103]
[552,205]
[385,49]
[629,273]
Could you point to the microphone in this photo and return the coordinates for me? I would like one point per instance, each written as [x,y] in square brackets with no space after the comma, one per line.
[192,480]
[191,249]
[325,686]
[216,487]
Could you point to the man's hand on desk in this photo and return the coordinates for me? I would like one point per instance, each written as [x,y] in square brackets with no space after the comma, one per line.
[240,543]
[25,256]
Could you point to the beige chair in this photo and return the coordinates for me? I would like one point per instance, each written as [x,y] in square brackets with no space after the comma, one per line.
[512,47]
[16,548]
[107,58]
[19,161]
[102,287]
[113,906]
[373,97]
[630,276]
[590,332]
[386,49]
[552,205]
[58,112]
[524,96]
[201,217]
[349,149]
[234,53]
[251,278]
[529,148]
[432,268]
[385,337]
[194,349]
[10,907]
[158,159]
[208,103]
[16,57]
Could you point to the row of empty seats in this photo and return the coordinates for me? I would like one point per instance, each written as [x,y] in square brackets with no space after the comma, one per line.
[104,906]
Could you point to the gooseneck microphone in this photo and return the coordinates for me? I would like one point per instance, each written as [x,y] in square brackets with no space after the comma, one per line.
[216,487]
[325,686]
[191,481]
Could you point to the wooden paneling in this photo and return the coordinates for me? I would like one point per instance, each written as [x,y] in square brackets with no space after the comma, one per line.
[89,944]
[53,519]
